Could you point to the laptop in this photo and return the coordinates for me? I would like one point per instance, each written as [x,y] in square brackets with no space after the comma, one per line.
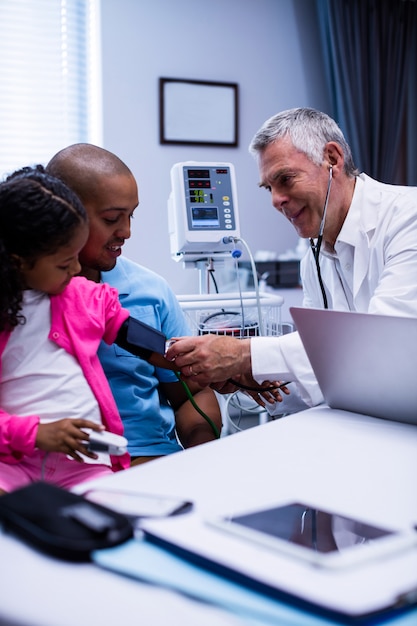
[364,363]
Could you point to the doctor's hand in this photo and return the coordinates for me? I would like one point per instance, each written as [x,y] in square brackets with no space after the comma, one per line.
[210,358]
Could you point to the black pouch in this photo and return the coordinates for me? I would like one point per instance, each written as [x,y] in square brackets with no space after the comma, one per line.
[61,523]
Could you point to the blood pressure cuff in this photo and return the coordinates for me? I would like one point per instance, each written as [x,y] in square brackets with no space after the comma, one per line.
[144,341]
[61,523]
[140,339]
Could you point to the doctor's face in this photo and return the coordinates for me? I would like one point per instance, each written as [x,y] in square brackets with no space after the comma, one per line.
[298,187]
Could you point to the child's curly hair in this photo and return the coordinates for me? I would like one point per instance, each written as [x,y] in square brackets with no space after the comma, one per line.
[38,215]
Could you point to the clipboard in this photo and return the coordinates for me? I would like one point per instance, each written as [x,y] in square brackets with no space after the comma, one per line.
[387,586]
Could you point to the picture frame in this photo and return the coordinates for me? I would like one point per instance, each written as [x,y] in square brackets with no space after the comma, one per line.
[198,112]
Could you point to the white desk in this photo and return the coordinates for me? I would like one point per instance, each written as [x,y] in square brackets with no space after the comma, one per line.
[354,463]
[36,590]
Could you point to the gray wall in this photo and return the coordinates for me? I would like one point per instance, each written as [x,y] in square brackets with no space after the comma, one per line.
[269,47]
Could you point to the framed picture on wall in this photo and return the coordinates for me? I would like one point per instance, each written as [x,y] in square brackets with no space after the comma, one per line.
[198,112]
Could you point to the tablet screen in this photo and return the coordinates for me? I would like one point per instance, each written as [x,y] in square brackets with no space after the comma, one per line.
[318,530]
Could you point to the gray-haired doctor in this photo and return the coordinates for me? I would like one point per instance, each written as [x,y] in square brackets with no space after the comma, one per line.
[363,257]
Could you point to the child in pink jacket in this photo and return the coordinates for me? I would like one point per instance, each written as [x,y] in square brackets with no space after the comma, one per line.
[52,386]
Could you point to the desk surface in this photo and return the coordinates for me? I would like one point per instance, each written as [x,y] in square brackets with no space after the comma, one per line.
[360,463]
[366,463]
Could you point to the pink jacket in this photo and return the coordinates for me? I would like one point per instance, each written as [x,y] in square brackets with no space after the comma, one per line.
[83,315]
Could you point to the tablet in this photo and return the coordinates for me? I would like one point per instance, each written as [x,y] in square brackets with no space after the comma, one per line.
[138,505]
[320,537]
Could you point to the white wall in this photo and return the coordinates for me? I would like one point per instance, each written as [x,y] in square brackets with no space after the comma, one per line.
[269,47]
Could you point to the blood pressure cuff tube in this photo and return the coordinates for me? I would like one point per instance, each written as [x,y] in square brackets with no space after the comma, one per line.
[140,339]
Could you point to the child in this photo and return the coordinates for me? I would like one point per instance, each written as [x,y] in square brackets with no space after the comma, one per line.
[52,386]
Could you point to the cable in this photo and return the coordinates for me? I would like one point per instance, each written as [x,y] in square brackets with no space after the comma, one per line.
[255,278]
[211,274]
[226,329]
[236,254]
[197,408]
[234,402]
[257,389]
[256,287]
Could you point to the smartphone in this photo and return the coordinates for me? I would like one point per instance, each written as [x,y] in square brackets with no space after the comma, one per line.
[138,505]
[319,537]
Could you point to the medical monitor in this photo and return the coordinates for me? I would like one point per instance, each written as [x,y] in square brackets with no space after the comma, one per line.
[202,210]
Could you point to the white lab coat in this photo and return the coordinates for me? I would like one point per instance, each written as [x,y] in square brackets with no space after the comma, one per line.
[374,270]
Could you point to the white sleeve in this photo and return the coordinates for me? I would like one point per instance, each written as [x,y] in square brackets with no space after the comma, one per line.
[284,358]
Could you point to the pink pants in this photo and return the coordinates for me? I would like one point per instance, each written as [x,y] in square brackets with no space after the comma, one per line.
[53,467]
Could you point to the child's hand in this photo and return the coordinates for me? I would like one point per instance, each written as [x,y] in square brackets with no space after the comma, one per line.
[67,436]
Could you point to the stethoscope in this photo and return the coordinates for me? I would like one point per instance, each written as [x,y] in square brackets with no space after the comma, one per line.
[315,248]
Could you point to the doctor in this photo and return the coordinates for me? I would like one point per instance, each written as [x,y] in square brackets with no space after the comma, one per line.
[363,257]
